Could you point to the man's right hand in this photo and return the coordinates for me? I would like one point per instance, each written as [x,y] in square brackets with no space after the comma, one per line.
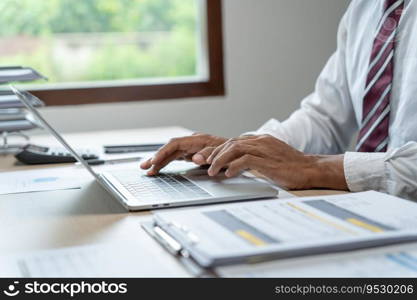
[196,148]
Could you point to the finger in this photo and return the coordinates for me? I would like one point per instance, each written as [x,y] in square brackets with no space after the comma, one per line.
[222,147]
[189,145]
[200,158]
[165,151]
[247,137]
[228,143]
[146,164]
[228,154]
[157,167]
[224,157]
[216,151]
[243,163]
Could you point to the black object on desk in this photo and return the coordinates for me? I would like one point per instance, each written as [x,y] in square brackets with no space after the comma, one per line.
[96,162]
[118,149]
[34,154]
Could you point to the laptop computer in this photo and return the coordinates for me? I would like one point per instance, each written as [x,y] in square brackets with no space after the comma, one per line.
[137,191]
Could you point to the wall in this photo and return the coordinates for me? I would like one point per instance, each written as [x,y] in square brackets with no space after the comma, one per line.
[274,50]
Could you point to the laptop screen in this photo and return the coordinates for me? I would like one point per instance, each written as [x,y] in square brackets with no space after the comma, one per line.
[24,97]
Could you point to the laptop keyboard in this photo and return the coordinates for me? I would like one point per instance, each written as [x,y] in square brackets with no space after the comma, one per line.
[164,186]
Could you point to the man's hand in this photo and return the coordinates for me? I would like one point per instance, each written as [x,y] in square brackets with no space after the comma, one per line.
[279,162]
[196,148]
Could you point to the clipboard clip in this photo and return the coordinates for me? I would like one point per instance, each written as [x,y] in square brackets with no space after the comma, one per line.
[167,241]
[175,248]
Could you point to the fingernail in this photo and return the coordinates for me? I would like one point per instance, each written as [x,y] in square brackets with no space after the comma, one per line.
[212,173]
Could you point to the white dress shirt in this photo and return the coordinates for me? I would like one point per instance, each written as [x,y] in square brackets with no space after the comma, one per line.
[329,119]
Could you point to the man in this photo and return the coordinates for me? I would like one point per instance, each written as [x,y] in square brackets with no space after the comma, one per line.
[368,87]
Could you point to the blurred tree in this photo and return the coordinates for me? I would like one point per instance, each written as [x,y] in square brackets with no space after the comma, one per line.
[35,17]
[174,56]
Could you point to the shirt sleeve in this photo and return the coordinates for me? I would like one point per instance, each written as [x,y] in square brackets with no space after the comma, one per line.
[393,172]
[325,122]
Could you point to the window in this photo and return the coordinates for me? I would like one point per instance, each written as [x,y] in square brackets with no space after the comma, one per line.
[115,50]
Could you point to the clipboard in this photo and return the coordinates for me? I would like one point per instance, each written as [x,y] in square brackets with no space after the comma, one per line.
[201,254]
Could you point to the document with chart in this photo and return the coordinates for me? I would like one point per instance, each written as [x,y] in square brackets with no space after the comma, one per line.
[277,229]
[89,261]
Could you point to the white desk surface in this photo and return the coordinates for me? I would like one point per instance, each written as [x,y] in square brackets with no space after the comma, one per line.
[45,220]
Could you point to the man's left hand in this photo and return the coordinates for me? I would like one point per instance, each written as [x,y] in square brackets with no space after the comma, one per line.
[279,162]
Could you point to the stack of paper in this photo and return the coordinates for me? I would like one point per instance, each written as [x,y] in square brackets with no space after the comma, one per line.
[18,74]
[9,101]
[13,116]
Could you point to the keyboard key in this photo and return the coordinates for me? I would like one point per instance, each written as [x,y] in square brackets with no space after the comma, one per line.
[164,186]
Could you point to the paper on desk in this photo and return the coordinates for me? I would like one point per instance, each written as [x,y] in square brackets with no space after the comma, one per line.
[237,232]
[15,73]
[398,261]
[106,260]
[50,179]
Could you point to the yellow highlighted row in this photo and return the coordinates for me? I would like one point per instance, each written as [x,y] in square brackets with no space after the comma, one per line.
[328,222]
[367,226]
[353,221]
[250,238]
[259,242]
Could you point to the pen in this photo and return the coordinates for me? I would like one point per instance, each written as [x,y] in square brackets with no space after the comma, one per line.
[176,249]
[117,149]
[96,162]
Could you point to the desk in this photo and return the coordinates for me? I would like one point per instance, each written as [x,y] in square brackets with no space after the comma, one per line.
[76,217]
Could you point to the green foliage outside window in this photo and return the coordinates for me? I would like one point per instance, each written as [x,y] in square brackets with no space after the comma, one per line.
[89,40]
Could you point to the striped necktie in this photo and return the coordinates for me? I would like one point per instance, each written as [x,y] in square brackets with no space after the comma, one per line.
[373,134]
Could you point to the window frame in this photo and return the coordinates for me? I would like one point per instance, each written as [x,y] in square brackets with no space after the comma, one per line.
[213,86]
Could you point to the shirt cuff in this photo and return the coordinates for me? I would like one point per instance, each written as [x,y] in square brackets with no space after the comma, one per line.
[365,171]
